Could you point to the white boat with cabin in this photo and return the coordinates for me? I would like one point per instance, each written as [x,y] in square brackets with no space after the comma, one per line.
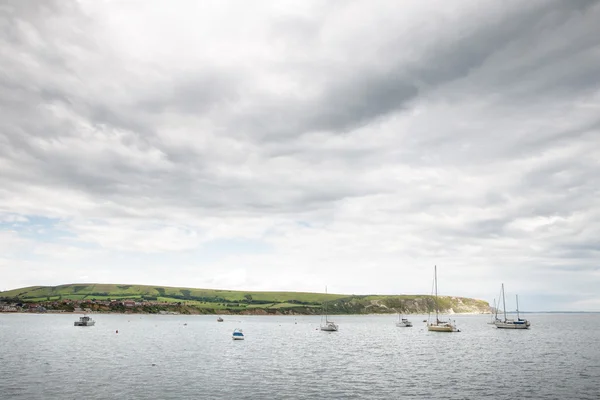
[85,321]
[237,334]
[403,322]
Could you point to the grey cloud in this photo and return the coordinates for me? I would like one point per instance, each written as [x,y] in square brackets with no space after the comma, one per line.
[447,147]
[519,26]
[358,101]
[196,94]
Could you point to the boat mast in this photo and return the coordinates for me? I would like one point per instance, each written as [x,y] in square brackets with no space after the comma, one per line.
[518,317]
[504,302]
[325,304]
[437,320]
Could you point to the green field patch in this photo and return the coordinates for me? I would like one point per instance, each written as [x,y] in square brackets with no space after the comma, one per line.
[38,299]
[289,305]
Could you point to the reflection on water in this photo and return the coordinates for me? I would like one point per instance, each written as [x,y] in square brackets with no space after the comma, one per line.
[158,357]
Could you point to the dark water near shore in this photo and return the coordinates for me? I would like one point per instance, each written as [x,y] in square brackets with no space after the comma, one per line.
[46,357]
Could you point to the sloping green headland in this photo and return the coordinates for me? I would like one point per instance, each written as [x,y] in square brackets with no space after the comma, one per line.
[208,301]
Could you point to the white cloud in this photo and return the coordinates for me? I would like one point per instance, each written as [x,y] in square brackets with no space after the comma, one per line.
[297,145]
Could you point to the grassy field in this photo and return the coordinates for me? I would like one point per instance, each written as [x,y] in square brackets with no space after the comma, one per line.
[112,291]
[243,300]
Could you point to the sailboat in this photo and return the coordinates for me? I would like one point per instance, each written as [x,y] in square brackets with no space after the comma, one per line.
[439,326]
[329,326]
[511,323]
[495,317]
[403,322]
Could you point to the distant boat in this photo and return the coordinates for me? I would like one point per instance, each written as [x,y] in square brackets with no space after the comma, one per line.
[237,334]
[510,323]
[403,322]
[494,317]
[329,326]
[439,326]
[85,321]
[219,319]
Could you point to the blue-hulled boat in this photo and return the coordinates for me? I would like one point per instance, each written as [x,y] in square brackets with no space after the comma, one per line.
[237,334]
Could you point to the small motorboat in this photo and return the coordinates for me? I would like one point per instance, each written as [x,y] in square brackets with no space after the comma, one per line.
[85,321]
[219,319]
[237,334]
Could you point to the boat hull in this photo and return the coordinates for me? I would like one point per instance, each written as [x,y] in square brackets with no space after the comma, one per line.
[441,328]
[84,323]
[237,337]
[512,325]
[403,325]
[329,326]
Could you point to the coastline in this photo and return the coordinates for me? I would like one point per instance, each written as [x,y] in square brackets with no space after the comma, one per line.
[246,313]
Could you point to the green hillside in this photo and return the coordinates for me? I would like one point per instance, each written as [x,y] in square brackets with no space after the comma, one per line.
[209,300]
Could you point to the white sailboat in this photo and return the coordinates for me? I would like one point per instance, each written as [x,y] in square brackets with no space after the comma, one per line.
[403,322]
[520,323]
[329,326]
[437,325]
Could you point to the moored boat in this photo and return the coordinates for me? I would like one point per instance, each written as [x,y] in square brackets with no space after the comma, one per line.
[328,326]
[237,334]
[85,321]
[438,325]
[507,323]
[494,318]
[403,322]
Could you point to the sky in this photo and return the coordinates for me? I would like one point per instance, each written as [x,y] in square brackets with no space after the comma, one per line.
[293,145]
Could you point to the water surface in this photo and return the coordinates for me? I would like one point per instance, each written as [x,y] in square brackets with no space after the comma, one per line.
[43,356]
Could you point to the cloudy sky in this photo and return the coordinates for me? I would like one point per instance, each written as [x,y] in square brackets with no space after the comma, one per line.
[292,145]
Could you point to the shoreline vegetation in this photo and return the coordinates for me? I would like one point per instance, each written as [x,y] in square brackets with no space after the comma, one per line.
[145,299]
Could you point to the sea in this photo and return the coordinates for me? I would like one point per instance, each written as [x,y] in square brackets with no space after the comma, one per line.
[43,356]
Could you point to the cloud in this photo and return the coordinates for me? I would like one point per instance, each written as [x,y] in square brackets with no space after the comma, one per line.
[353,146]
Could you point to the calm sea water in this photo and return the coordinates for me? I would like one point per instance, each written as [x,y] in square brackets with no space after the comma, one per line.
[158,357]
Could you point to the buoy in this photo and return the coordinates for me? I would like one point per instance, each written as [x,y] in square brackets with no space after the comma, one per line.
[117,331]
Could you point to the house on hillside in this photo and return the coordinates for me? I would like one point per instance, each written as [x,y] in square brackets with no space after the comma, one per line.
[129,303]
